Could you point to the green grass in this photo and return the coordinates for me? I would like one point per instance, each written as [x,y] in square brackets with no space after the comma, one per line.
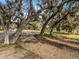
[72,36]
[67,35]
[63,34]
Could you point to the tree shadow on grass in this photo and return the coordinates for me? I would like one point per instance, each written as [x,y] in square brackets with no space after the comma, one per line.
[63,39]
[56,44]
[44,40]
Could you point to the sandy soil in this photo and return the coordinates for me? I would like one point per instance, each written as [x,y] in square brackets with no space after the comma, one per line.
[38,50]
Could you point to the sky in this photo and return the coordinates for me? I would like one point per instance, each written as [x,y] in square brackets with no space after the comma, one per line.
[66,6]
[34,3]
[2,1]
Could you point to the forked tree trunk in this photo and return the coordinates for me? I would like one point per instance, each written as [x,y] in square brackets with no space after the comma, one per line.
[16,35]
[47,21]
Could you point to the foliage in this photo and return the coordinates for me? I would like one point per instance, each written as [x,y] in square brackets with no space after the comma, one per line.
[50,14]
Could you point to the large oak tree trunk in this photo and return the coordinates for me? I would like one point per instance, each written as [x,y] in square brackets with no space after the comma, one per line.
[47,21]
[6,37]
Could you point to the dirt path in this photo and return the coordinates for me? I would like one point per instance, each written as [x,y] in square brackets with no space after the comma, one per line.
[37,51]
[52,52]
[40,49]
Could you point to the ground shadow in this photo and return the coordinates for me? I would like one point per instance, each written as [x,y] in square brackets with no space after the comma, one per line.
[62,38]
[16,51]
[43,40]
[56,44]
[27,53]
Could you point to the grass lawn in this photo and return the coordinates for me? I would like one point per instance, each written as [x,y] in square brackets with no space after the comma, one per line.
[72,36]
[64,34]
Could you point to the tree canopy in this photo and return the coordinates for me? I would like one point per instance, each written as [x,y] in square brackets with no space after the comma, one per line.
[58,13]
